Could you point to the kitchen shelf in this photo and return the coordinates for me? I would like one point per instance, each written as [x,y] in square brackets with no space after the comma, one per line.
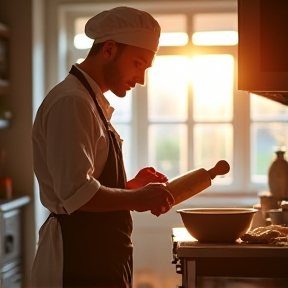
[5,117]
[4,57]
[4,123]
[4,31]
[14,203]
[4,87]
[4,78]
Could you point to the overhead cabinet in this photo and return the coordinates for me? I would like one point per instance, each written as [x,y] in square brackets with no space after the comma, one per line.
[4,83]
[4,74]
[262,48]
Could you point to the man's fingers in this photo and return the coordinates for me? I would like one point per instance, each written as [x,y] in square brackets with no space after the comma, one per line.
[155,212]
[170,198]
[161,176]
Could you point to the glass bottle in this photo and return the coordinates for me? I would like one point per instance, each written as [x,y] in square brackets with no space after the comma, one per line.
[278,177]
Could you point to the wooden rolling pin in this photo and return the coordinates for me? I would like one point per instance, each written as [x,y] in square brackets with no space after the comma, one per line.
[195,181]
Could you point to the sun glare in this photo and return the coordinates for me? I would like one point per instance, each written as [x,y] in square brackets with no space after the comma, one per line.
[81,41]
[215,38]
[173,39]
[212,81]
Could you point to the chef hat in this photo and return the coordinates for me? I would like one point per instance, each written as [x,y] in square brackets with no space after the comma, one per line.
[125,25]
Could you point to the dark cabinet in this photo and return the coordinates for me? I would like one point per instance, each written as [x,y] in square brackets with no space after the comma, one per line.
[4,83]
[262,48]
[5,114]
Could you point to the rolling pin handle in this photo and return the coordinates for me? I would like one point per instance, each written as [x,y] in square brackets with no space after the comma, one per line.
[221,168]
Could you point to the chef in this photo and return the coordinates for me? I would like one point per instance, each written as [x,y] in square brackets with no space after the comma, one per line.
[86,240]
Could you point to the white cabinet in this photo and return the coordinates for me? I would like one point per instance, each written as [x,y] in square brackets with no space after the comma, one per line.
[11,241]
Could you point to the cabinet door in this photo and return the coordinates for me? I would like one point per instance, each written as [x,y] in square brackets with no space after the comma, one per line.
[4,77]
[10,238]
[12,281]
[11,278]
[4,67]
[263,57]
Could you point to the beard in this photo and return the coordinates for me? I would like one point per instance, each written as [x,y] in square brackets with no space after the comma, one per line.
[113,78]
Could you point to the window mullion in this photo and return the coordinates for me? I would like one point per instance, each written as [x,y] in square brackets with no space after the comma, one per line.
[140,125]
[241,124]
[190,126]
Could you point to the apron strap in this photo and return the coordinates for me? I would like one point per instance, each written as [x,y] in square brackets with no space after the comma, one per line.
[77,73]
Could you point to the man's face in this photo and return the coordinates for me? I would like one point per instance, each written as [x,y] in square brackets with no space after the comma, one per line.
[126,69]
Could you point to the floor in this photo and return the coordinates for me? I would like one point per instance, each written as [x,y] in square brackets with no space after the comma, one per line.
[243,283]
[150,279]
[224,283]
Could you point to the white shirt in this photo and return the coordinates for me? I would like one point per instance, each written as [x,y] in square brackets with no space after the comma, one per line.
[70,149]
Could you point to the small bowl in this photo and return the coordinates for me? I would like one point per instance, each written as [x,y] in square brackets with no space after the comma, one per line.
[210,225]
[278,216]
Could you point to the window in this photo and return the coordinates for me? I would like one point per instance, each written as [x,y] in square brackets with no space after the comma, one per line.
[268,134]
[189,114]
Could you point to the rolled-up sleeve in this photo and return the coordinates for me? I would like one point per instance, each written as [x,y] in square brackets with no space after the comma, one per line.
[77,200]
[75,140]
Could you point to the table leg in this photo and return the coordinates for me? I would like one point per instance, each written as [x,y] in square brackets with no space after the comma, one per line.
[191,274]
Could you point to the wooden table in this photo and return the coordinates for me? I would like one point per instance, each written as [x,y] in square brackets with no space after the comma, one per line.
[231,260]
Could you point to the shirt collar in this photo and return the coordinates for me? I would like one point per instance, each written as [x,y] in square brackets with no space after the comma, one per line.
[101,99]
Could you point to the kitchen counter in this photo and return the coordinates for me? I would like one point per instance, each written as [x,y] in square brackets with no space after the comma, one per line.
[238,249]
[230,260]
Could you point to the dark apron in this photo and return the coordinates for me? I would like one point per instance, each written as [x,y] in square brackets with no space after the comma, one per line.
[97,245]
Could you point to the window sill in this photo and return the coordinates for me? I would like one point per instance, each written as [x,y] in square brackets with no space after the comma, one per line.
[221,200]
[146,220]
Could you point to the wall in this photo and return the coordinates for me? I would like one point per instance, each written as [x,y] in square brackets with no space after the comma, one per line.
[26,59]
[16,139]
[28,67]
[151,235]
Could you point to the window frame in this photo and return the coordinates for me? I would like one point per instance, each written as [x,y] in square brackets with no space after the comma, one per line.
[243,192]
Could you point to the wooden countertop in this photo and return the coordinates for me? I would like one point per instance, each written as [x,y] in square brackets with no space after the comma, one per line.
[195,249]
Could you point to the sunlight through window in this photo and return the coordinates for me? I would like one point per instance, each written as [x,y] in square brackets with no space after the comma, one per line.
[215,29]
[215,38]
[168,83]
[173,29]
[81,41]
[186,100]
[173,39]
[213,77]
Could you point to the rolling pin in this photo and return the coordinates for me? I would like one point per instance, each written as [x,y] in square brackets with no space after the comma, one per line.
[195,181]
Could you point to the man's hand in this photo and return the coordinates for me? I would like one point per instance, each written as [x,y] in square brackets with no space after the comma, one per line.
[154,197]
[145,176]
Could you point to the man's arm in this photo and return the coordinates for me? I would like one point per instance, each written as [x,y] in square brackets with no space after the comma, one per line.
[153,197]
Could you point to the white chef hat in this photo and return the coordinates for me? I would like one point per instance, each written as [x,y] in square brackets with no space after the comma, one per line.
[125,25]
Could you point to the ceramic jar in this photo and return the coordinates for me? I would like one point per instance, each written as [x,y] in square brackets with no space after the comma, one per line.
[278,177]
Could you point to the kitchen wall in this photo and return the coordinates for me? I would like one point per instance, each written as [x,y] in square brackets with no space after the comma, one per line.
[30,68]
[27,49]
[17,15]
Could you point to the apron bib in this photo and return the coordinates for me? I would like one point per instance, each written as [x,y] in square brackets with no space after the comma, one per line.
[97,248]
